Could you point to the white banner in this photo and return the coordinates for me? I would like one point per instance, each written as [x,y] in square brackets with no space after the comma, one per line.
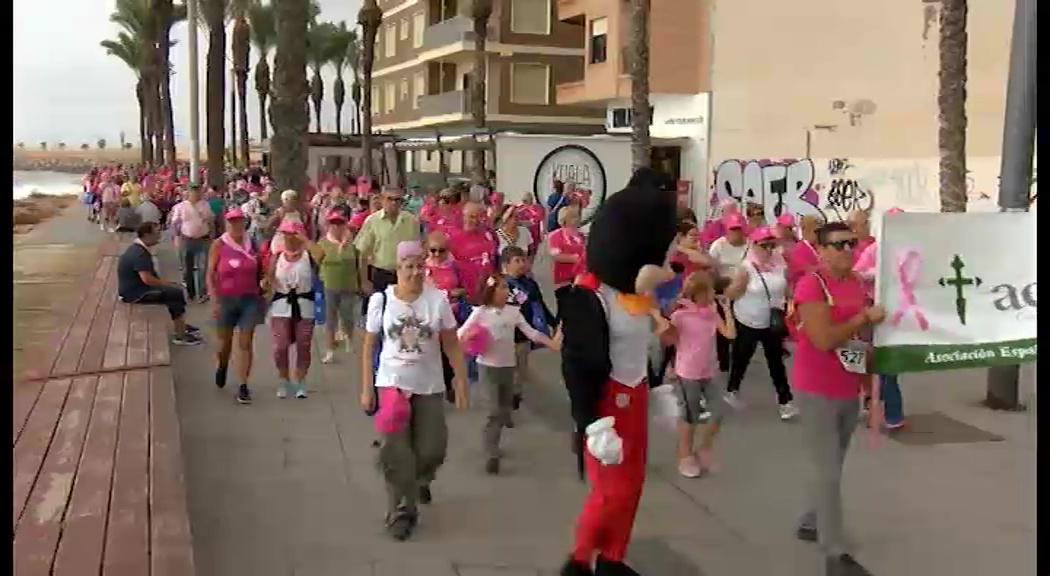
[959,291]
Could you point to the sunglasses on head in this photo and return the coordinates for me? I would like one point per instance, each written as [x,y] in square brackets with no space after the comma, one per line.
[842,244]
[438,250]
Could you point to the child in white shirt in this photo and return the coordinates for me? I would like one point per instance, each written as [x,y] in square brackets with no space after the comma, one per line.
[497,363]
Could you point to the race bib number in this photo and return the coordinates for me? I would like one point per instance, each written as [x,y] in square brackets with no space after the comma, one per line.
[854,357]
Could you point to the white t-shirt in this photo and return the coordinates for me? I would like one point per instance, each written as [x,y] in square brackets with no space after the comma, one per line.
[523,241]
[500,322]
[729,257]
[752,309]
[411,355]
[288,275]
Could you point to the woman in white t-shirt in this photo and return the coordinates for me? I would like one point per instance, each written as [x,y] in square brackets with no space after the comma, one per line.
[414,322]
[291,277]
[758,288]
[729,251]
[498,362]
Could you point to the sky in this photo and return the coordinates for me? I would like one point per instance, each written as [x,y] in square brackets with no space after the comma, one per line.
[67,89]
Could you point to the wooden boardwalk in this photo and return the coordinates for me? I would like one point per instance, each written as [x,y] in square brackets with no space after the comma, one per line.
[98,476]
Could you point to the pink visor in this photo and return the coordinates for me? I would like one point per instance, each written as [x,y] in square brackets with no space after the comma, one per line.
[761,234]
[234,214]
[291,227]
[786,219]
[733,220]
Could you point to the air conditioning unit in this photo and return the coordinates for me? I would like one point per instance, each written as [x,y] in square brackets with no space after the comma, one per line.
[618,120]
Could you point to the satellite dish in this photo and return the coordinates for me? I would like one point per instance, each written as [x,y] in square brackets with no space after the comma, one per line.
[862,108]
[838,105]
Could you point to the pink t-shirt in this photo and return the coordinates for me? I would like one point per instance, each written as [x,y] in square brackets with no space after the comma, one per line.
[695,350]
[192,220]
[862,245]
[819,371]
[443,276]
[564,241]
[110,192]
[475,252]
[801,260]
[531,215]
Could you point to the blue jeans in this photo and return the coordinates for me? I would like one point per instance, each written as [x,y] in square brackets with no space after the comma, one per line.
[195,265]
[892,400]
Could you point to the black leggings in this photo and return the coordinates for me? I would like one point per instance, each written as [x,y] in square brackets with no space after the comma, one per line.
[169,296]
[747,339]
[723,347]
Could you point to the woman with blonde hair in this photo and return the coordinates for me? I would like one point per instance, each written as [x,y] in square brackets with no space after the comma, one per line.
[567,248]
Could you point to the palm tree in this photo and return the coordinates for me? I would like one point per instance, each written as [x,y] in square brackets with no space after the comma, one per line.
[290,111]
[318,50]
[167,14]
[369,17]
[341,45]
[263,34]
[951,104]
[138,22]
[241,48]
[641,144]
[129,50]
[214,12]
[354,61]
[480,13]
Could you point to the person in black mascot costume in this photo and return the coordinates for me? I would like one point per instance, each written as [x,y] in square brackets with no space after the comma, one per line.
[608,320]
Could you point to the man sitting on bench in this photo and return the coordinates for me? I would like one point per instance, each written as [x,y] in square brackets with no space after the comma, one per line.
[138,283]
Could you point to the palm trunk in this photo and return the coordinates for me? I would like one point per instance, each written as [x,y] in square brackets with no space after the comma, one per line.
[641,143]
[145,144]
[233,118]
[370,17]
[951,104]
[262,88]
[339,97]
[264,132]
[242,113]
[289,111]
[483,10]
[317,97]
[164,13]
[158,120]
[215,91]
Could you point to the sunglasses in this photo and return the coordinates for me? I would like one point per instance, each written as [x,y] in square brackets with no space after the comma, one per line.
[842,244]
[438,250]
[767,245]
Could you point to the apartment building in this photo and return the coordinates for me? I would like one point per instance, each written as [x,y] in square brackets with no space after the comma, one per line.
[425,60]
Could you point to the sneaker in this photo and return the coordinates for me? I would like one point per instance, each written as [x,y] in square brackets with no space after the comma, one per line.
[807,533]
[193,330]
[300,392]
[220,377]
[517,402]
[788,411]
[186,339]
[705,457]
[844,565]
[509,423]
[282,390]
[703,416]
[492,466]
[402,524]
[327,357]
[425,496]
[244,395]
[733,399]
[688,467]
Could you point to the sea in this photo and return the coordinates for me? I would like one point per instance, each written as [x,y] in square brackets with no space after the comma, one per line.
[43,182]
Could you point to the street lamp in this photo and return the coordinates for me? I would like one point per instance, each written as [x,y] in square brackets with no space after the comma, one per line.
[195,137]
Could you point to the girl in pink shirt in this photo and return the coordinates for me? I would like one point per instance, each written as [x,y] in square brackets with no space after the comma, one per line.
[695,322]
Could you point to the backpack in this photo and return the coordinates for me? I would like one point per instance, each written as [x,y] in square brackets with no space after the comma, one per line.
[377,349]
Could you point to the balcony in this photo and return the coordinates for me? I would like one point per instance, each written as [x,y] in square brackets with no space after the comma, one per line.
[571,92]
[451,31]
[570,9]
[455,102]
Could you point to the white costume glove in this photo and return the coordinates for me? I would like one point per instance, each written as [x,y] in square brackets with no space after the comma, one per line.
[665,408]
[603,442]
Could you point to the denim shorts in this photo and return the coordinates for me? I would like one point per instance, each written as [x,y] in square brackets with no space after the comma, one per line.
[240,311]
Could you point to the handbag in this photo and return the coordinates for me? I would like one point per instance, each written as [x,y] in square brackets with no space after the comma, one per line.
[777,317]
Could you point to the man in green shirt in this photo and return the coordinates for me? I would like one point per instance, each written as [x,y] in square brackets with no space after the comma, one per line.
[380,234]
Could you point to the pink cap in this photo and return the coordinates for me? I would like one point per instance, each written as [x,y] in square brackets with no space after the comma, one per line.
[291,227]
[358,220]
[335,216]
[496,197]
[761,234]
[733,220]
[729,206]
[234,213]
[895,210]
[409,249]
[786,219]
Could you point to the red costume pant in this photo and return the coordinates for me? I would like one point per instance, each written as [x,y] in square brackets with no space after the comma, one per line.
[605,524]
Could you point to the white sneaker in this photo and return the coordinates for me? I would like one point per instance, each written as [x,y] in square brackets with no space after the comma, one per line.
[689,467]
[327,357]
[788,411]
[282,390]
[734,400]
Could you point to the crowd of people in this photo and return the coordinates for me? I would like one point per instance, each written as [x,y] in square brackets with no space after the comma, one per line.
[437,291]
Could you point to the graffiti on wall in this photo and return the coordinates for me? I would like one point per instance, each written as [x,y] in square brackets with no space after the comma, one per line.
[793,186]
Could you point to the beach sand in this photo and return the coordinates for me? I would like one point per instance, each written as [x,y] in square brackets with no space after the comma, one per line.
[36,208]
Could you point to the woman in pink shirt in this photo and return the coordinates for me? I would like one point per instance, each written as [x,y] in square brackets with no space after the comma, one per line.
[531,215]
[828,373]
[192,220]
[567,248]
[784,230]
[802,258]
[474,248]
[441,271]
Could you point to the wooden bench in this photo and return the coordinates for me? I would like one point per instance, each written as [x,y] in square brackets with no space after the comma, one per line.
[98,482]
[98,478]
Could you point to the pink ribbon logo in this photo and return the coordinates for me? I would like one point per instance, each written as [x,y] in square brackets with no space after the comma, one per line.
[909,263]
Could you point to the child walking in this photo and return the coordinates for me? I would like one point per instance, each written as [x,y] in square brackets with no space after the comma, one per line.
[525,294]
[695,322]
[497,359]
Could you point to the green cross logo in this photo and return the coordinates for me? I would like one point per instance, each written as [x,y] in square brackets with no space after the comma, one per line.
[959,282]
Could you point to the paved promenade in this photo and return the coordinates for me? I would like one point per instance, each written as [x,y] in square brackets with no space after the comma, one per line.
[289,487]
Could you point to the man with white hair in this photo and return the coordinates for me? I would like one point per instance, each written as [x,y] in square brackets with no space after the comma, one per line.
[379,236]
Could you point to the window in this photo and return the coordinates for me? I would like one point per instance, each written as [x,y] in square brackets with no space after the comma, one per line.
[420,88]
[390,41]
[390,100]
[530,16]
[530,83]
[403,32]
[599,41]
[376,102]
[621,117]
[419,23]
[403,89]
